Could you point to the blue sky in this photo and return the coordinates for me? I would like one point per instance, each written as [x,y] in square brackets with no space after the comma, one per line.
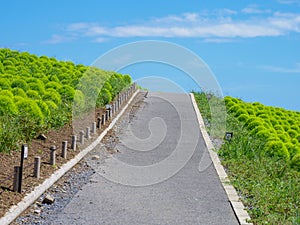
[252,47]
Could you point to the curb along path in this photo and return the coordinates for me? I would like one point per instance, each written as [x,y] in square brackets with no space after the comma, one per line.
[16,210]
[233,197]
[188,196]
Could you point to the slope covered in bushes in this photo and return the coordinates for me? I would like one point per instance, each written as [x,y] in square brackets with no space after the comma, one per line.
[262,158]
[38,93]
[278,128]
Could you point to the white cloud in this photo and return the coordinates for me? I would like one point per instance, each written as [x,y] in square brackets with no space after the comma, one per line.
[56,39]
[295,69]
[297,2]
[218,40]
[254,9]
[100,40]
[216,26]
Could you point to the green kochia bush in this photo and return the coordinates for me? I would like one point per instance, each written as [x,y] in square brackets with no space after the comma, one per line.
[28,107]
[39,92]
[19,83]
[263,162]
[52,95]
[104,97]
[31,118]
[295,163]
[6,93]
[4,84]
[7,106]
[33,94]
[19,92]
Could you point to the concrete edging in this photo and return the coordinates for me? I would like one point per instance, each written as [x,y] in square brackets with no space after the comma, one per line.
[30,198]
[238,207]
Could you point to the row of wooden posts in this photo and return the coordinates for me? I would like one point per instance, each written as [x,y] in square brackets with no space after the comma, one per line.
[110,111]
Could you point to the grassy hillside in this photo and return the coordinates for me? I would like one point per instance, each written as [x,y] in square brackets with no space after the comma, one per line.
[263,158]
[38,93]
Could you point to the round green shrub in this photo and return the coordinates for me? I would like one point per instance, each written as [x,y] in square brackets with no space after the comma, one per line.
[243,118]
[52,95]
[241,112]
[79,100]
[104,97]
[19,92]
[258,106]
[264,134]
[273,137]
[127,79]
[7,93]
[295,162]
[67,92]
[44,107]
[17,98]
[39,87]
[273,121]
[52,84]
[19,83]
[292,133]
[33,95]
[286,127]
[296,128]
[255,130]
[277,149]
[257,122]
[28,107]
[4,84]
[51,105]
[227,99]
[278,128]
[292,148]
[229,104]
[234,109]
[235,100]
[250,111]
[283,136]
[7,106]
[294,141]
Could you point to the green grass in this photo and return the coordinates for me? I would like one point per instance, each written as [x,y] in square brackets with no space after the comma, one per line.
[268,185]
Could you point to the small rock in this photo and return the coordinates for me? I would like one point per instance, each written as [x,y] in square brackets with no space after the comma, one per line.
[37,211]
[38,204]
[93,181]
[95,157]
[48,200]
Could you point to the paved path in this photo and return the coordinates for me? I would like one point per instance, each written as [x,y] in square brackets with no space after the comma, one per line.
[156,173]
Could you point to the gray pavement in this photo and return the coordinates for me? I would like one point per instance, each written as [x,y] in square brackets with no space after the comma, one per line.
[155,177]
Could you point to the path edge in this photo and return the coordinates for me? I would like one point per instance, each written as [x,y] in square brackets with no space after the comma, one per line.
[30,198]
[238,207]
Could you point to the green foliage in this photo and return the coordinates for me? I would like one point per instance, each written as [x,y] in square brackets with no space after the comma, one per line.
[19,83]
[67,93]
[10,132]
[39,92]
[6,93]
[28,107]
[7,106]
[53,85]
[19,92]
[33,94]
[104,98]
[295,163]
[277,149]
[52,95]
[263,160]
[39,87]
[4,84]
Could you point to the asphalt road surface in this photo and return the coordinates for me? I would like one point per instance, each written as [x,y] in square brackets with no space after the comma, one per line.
[156,176]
